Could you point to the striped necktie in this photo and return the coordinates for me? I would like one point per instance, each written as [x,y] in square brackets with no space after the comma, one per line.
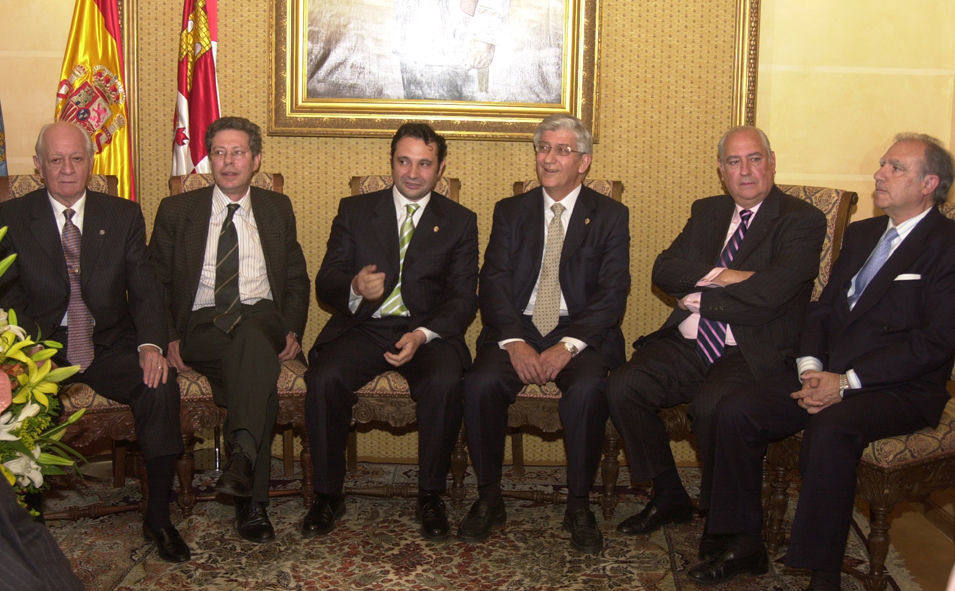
[79,321]
[227,274]
[394,306]
[711,334]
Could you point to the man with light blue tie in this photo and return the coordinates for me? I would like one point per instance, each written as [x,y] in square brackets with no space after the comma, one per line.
[875,354]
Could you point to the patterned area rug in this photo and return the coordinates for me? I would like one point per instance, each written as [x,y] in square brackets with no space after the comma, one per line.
[376,547]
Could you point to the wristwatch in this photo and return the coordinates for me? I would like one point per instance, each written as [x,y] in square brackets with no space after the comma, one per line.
[843,385]
[571,348]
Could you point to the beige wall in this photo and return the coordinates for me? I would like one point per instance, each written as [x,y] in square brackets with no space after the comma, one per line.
[838,79]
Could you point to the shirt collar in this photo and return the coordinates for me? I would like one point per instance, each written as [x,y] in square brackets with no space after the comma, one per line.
[568,202]
[220,200]
[737,218]
[58,208]
[905,227]
[401,201]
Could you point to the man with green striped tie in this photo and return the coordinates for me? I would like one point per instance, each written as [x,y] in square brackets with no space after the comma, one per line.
[400,274]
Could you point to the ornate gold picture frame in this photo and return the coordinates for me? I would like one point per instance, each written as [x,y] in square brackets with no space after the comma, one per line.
[355,67]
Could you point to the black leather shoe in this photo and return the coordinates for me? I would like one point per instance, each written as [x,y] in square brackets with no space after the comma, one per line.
[236,479]
[252,520]
[585,536]
[712,545]
[481,519]
[433,517]
[321,517]
[169,544]
[653,518]
[731,562]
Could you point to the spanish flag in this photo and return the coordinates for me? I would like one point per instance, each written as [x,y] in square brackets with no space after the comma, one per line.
[92,90]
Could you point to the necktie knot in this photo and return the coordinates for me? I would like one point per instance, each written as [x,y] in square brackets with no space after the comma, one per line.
[411,208]
[558,209]
[232,207]
[68,214]
[744,215]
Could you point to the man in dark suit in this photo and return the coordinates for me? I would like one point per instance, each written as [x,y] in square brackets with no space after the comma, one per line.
[83,277]
[400,274]
[553,292]
[741,273]
[237,295]
[874,357]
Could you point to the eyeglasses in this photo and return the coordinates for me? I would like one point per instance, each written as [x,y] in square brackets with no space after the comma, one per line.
[220,154]
[559,149]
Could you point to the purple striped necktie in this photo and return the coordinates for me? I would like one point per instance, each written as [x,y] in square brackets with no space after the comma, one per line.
[79,321]
[711,334]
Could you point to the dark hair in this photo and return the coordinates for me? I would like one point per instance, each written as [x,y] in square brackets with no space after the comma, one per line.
[936,160]
[423,132]
[238,124]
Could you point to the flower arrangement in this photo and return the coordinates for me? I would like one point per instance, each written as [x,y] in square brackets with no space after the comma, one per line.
[30,446]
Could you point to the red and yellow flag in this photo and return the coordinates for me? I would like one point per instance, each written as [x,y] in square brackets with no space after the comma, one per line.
[92,90]
[197,103]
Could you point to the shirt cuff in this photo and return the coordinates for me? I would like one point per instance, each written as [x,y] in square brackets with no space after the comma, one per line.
[354,299]
[709,277]
[854,380]
[807,363]
[505,342]
[140,348]
[429,335]
[692,301]
[575,342]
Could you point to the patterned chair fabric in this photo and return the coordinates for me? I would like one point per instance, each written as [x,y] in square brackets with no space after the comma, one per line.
[191,182]
[386,398]
[18,185]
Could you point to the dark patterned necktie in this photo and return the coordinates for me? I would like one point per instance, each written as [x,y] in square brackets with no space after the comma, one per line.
[711,334]
[79,329]
[227,274]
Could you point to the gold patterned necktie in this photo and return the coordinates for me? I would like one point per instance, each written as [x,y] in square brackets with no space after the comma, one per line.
[79,321]
[547,306]
[394,305]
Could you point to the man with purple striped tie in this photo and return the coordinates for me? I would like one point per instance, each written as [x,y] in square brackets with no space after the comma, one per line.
[741,273]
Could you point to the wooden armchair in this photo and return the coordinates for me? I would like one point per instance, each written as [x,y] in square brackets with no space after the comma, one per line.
[386,399]
[536,406]
[199,411]
[18,185]
[904,468]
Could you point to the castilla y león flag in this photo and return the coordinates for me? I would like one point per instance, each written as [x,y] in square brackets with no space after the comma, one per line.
[197,104]
[92,91]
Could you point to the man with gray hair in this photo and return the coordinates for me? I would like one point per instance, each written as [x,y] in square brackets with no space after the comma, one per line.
[552,293]
[741,274]
[82,277]
[875,353]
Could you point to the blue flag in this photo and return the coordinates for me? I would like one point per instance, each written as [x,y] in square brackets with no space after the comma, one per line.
[3,147]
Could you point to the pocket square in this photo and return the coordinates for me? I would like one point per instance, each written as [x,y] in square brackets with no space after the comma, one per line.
[907,277]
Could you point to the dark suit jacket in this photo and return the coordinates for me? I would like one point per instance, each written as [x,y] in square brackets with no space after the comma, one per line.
[594,269]
[116,277]
[900,336]
[439,278]
[765,312]
[178,246]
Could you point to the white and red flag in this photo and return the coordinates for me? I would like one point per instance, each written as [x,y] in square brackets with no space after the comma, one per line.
[197,103]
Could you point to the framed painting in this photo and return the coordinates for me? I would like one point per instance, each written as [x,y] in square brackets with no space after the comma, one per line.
[479,69]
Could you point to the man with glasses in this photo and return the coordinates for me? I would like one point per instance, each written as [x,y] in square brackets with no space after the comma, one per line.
[237,295]
[553,290]
[741,274]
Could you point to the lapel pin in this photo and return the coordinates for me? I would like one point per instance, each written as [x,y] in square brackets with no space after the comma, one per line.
[435,228]
[586,221]
[102,232]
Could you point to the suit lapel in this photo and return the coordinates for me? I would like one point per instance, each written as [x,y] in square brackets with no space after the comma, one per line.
[533,245]
[47,233]
[270,236]
[578,226]
[195,236]
[900,260]
[759,228]
[433,219]
[384,228]
[95,233]
[716,232]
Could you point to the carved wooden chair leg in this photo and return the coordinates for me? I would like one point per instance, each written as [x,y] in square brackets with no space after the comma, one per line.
[517,453]
[288,452]
[119,463]
[610,470]
[185,468]
[875,579]
[459,465]
[308,475]
[351,451]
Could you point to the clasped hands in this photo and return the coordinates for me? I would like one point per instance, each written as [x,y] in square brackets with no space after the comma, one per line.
[537,368]
[820,390]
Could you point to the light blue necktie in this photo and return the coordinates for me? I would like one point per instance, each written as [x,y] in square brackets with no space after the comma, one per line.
[873,264]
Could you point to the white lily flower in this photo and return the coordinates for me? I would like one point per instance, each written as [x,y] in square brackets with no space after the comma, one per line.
[26,469]
[10,423]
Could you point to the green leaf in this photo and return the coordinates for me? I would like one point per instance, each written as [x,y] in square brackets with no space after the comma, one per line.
[5,263]
[61,373]
[43,354]
[53,460]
